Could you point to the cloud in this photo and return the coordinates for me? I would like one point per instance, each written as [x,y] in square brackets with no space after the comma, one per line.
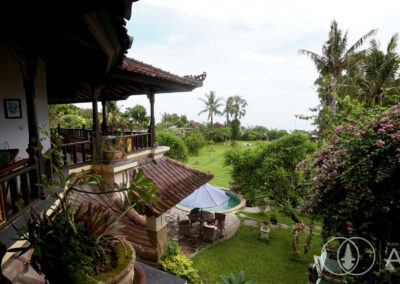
[248,48]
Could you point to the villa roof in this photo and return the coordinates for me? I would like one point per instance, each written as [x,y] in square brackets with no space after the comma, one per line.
[131,65]
[175,181]
[133,77]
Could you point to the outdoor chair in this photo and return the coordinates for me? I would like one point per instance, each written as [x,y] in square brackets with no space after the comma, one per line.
[221,220]
[193,215]
[210,234]
[184,228]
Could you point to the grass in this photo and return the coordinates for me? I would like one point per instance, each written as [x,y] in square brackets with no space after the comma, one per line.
[211,158]
[281,217]
[263,261]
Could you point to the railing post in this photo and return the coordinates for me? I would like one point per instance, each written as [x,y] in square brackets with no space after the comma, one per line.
[29,69]
[58,129]
[96,137]
[83,131]
[152,129]
[104,113]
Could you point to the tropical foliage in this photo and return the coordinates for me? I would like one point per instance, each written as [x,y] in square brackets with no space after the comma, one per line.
[234,279]
[212,105]
[194,142]
[73,241]
[178,149]
[269,170]
[177,264]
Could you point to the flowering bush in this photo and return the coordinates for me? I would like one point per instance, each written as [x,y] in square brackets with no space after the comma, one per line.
[356,179]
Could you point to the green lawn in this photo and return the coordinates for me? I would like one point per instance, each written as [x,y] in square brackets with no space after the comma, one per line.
[211,158]
[263,261]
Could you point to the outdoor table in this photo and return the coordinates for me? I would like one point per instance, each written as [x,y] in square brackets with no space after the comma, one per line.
[203,216]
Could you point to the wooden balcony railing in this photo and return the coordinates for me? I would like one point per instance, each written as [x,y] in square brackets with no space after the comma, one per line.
[17,192]
[133,142]
[77,132]
[77,148]
[76,152]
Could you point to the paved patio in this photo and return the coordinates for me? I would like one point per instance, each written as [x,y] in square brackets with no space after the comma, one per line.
[192,245]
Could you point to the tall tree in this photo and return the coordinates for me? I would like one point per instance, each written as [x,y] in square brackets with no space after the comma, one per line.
[379,71]
[115,119]
[228,109]
[238,107]
[212,104]
[336,57]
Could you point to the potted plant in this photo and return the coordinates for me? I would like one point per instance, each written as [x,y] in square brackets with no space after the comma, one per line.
[114,151]
[274,219]
[77,242]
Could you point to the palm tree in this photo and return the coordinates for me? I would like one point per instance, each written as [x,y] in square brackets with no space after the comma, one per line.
[380,71]
[212,105]
[115,121]
[336,57]
[228,109]
[238,107]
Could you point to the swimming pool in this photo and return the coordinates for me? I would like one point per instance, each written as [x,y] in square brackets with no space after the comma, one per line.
[233,201]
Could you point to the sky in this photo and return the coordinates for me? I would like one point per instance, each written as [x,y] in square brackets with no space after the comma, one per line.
[248,48]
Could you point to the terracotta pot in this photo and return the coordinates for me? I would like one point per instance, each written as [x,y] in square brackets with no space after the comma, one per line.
[112,156]
[127,275]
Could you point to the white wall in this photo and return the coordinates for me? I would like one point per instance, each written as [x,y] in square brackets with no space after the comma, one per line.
[15,131]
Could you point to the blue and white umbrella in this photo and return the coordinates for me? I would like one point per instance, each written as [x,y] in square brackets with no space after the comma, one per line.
[205,196]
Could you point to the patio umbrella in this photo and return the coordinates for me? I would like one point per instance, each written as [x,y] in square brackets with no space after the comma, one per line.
[205,196]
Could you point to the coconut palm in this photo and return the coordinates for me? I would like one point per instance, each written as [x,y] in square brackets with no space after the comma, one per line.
[380,71]
[115,120]
[336,57]
[228,109]
[238,107]
[212,104]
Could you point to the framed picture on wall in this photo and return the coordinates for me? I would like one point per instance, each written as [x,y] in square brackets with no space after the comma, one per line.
[12,108]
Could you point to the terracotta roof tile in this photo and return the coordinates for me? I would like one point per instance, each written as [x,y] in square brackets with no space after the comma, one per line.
[134,66]
[174,180]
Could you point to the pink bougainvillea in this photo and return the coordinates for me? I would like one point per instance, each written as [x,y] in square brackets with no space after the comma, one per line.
[355,178]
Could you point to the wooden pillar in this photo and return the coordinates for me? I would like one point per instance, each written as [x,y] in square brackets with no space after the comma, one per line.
[34,149]
[152,128]
[96,136]
[104,122]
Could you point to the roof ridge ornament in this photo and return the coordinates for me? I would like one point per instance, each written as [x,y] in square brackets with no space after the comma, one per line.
[200,77]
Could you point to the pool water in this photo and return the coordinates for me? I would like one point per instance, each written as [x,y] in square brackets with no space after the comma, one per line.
[233,201]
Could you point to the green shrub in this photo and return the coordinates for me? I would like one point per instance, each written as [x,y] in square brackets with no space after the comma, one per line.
[177,264]
[235,129]
[194,142]
[72,121]
[178,149]
[234,279]
[269,169]
[222,134]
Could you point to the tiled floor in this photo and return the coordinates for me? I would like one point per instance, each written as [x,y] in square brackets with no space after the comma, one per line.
[192,245]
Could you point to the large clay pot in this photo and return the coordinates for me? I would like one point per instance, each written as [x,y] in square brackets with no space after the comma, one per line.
[112,156]
[127,274]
